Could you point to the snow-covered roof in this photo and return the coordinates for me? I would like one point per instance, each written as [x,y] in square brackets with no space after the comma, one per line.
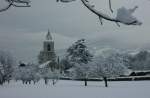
[44,64]
[71,69]
[128,72]
[133,53]
[136,71]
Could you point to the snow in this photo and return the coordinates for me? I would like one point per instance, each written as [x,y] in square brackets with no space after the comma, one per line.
[65,1]
[44,64]
[136,71]
[75,89]
[125,15]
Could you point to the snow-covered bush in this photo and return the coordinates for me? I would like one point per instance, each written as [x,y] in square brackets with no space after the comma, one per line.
[48,72]
[27,73]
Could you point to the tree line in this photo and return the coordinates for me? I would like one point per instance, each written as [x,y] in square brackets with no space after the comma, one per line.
[77,63]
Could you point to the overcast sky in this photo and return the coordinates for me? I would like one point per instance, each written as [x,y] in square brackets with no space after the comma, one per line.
[22,30]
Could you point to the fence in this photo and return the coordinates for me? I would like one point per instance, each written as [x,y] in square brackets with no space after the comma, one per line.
[127,78]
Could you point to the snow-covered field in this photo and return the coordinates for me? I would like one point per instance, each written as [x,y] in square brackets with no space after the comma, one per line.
[75,89]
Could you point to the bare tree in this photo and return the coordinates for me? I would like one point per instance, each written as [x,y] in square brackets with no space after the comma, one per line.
[110,64]
[6,66]
[123,16]
[15,3]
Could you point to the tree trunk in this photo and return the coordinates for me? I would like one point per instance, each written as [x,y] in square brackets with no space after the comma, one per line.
[1,82]
[34,82]
[8,81]
[46,81]
[53,81]
[23,82]
[85,82]
[29,81]
[105,80]
[2,79]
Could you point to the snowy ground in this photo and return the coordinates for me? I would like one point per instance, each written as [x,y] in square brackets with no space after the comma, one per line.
[75,89]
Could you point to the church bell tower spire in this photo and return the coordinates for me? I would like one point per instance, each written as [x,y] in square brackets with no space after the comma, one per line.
[49,36]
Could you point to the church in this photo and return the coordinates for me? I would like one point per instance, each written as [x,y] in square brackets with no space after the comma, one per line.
[47,54]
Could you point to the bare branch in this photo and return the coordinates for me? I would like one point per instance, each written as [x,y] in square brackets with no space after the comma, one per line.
[16,3]
[110,6]
[6,8]
[101,21]
[117,24]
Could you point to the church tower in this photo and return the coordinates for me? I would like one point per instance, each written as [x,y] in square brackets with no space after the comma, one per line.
[48,51]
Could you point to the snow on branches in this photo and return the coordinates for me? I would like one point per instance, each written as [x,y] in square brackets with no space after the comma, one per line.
[110,63]
[15,3]
[65,1]
[124,15]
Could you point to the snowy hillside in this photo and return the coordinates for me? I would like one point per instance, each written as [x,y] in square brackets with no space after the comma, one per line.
[116,42]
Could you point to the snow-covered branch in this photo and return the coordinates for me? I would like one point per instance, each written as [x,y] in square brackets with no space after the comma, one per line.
[65,1]
[124,15]
[16,3]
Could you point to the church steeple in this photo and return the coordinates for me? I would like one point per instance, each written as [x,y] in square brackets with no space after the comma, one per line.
[48,36]
[48,51]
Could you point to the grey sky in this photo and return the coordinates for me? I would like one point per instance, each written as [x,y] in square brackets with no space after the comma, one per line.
[23,29]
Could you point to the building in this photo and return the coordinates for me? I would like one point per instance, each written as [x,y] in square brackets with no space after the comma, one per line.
[48,51]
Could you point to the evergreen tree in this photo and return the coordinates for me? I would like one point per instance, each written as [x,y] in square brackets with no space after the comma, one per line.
[80,57]
[79,53]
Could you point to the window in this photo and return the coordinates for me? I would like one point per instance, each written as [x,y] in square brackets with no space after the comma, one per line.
[48,47]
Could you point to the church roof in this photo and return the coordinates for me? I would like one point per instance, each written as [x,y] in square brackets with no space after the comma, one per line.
[44,64]
[49,36]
